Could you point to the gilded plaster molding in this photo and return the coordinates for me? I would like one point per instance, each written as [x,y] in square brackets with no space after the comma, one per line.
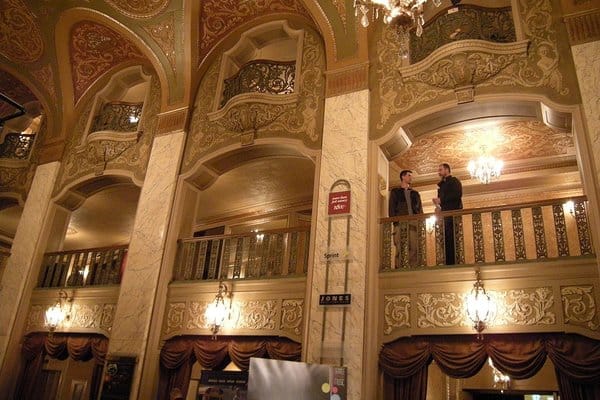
[84,317]
[85,158]
[299,119]
[275,316]
[579,306]
[172,121]
[20,38]
[163,32]
[139,9]
[584,27]
[396,312]
[535,65]
[348,79]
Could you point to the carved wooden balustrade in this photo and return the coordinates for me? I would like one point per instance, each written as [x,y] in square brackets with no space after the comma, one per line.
[257,255]
[88,267]
[546,230]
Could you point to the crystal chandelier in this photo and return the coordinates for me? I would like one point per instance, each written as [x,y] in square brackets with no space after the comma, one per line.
[405,13]
[485,168]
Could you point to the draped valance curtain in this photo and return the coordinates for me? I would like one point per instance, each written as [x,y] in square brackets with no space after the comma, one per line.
[180,353]
[576,361]
[80,347]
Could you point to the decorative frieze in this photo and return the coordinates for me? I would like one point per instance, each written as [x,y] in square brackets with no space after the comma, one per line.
[263,316]
[579,306]
[396,312]
[82,317]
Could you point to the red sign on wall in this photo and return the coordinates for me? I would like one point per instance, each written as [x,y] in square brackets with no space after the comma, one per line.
[339,203]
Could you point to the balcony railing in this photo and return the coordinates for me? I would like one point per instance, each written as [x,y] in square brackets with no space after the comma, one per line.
[261,76]
[16,146]
[527,232]
[89,267]
[268,254]
[118,116]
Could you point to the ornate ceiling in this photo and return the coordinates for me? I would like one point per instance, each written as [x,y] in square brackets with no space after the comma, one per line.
[514,141]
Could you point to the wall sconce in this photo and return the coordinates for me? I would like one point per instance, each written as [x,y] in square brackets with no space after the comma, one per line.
[56,314]
[430,223]
[478,305]
[217,311]
[569,207]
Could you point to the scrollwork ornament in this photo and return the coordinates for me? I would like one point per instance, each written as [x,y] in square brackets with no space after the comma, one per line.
[108,316]
[579,306]
[35,318]
[196,317]
[440,310]
[396,312]
[86,316]
[258,315]
[291,315]
[139,8]
[175,317]
[524,307]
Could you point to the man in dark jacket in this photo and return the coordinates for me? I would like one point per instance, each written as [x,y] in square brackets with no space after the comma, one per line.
[405,201]
[449,198]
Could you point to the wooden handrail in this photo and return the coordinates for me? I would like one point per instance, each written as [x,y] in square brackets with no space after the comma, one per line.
[230,236]
[97,249]
[418,217]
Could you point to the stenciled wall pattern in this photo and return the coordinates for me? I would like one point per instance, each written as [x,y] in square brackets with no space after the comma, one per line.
[547,308]
[87,159]
[300,119]
[275,316]
[541,66]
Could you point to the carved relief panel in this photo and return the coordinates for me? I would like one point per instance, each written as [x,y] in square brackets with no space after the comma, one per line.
[274,316]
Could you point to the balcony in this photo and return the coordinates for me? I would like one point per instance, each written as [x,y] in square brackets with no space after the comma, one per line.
[261,76]
[270,254]
[541,231]
[81,268]
[16,146]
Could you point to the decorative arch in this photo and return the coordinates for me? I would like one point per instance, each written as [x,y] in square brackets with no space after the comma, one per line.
[37,94]
[73,195]
[69,19]
[207,170]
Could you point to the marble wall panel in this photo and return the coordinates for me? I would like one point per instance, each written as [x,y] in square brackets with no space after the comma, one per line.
[20,265]
[138,287]
[343,157]
[587,64]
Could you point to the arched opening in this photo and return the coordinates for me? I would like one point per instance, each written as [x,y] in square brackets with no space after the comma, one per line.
[89,236]
[540,177]
[250,211]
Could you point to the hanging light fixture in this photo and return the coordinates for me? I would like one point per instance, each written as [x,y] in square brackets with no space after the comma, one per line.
[56,314]
[485,169]
[478,305]
[216,312]
[404,13]
[500,380]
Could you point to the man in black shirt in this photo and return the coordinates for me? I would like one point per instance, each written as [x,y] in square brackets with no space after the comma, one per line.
[449,198]
[405,201]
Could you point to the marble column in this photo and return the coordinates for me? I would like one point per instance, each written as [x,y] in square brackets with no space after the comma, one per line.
[20,275]
[137,297]
[586,57]
[587,63]
[335,335]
